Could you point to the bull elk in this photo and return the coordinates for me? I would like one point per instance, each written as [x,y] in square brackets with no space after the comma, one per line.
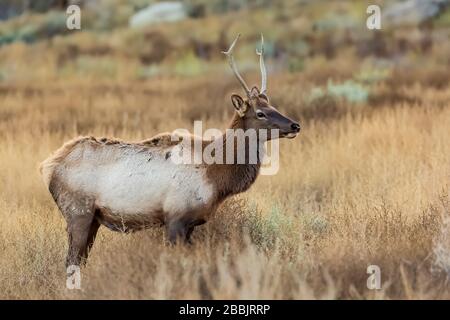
[130,186]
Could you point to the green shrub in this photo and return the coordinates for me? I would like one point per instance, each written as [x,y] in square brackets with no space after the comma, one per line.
[54,23]
[189,65]
[269,230]
[33,29]
[349,90]
[372,76]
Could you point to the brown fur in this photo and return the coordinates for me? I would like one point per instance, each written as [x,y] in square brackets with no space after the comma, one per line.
[230,179]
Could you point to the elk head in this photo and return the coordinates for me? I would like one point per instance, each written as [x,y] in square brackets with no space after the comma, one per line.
[255,109]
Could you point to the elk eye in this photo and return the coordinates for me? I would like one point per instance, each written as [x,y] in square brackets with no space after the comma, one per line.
[260,114]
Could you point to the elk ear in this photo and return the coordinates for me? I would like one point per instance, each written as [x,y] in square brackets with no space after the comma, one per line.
[264,96]
[239,104]
[254,92]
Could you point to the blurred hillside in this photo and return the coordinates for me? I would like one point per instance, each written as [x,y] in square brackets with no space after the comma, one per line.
[321,57]
[328,39]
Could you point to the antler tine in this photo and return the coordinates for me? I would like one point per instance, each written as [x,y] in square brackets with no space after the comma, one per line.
[233,66]
[262,66]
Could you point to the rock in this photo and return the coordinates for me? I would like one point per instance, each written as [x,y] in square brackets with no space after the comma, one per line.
[157,13]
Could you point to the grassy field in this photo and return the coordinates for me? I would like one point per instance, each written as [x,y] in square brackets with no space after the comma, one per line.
[366,182]
[366,187]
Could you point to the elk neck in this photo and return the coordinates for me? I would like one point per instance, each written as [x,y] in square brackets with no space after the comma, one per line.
[230,179]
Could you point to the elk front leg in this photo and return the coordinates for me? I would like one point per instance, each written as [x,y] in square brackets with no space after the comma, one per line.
[177,231]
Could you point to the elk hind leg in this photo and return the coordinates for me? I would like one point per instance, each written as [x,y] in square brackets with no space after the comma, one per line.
[79,212]
[191,229]
[181,230]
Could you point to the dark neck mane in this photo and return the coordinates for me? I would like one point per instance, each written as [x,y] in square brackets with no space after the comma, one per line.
[231,179]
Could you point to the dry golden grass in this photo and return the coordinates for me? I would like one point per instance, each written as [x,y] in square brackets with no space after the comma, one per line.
[367,186]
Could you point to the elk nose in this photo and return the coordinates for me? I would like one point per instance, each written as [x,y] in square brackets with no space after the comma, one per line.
[295,127]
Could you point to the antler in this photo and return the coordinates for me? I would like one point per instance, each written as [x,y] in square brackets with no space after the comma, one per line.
[262,66]
[233,66]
